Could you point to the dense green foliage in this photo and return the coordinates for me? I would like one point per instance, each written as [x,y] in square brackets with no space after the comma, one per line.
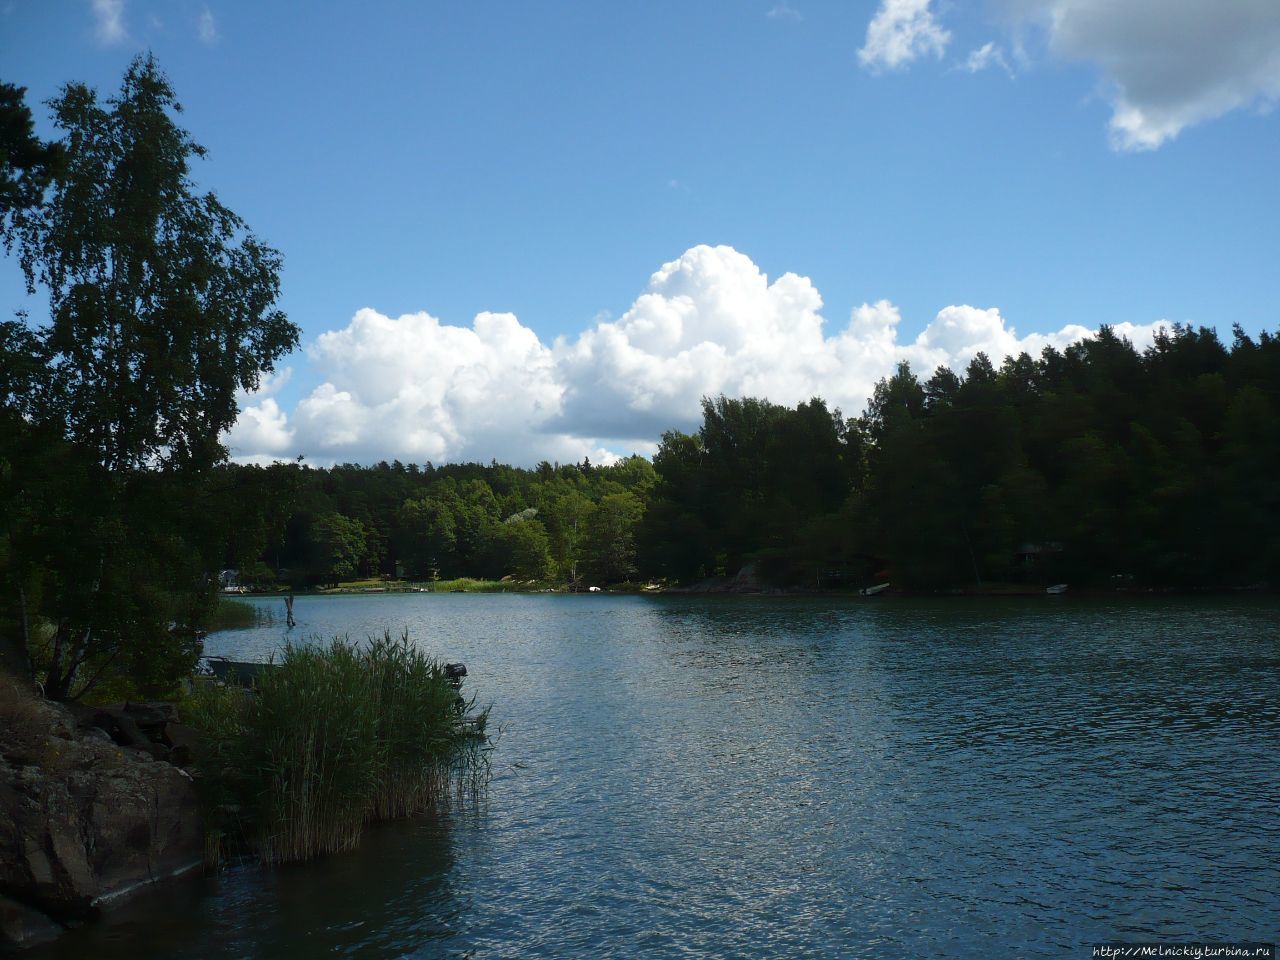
[564,523]
[747,487]
[1096,465]
[160,297]
[333,738]
[114,506]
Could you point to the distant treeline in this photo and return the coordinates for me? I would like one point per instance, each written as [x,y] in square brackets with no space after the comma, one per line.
[1096,464]
[463,520]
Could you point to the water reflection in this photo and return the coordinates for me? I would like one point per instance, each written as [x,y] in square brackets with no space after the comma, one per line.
[398,889]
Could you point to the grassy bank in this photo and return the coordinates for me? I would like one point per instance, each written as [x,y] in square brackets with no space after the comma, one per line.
[335,737]
[464,585]
[472,585]
[458,585]
[230,614]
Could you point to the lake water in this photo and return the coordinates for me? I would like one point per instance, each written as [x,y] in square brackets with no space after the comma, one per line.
[704,777]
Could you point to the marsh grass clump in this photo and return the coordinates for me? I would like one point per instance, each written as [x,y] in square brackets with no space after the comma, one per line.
[417,727]
[316,721]
[231,614]
[333,738]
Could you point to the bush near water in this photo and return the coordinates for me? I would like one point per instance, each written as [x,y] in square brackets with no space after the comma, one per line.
[333,738]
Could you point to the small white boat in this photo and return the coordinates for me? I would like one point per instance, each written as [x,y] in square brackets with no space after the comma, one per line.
[1056,589]
[875,591]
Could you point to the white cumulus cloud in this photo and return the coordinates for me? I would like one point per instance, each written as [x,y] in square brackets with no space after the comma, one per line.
[414,388]
[262,429]
[708,323]
[902,31]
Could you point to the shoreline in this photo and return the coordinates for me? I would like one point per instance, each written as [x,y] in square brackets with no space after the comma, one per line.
[725,587]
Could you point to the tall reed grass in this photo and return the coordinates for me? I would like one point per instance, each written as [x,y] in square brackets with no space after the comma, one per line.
[335,737]
[417,727]
[225,781]
[230,614]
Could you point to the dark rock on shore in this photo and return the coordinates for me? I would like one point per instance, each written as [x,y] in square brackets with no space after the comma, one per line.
[747,580]
[151,727]
[86,819]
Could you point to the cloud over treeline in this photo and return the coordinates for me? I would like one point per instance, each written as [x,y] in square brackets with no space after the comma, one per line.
[414,388]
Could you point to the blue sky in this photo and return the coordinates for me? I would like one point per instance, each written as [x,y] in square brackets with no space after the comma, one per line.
[938,177]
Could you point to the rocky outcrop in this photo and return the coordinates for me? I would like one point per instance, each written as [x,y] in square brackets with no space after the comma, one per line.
[747,580]
[150,727]
[84,820]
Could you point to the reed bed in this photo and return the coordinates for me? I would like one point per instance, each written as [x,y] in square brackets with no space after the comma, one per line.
[231,614]
[335,737]
[417,727]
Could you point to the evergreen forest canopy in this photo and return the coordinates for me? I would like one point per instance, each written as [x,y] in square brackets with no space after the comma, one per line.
[1099,465]
[1096,465]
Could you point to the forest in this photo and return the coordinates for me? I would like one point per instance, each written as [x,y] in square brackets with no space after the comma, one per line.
[1098,464]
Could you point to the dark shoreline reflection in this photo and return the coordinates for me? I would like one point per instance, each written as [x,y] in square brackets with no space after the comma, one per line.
[394,893]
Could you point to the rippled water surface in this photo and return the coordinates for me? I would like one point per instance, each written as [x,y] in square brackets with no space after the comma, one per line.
[682,777]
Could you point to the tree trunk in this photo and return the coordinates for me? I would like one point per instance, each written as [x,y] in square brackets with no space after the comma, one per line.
[57,685]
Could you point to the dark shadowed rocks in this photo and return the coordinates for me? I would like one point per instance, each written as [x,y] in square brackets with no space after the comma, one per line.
[86,820]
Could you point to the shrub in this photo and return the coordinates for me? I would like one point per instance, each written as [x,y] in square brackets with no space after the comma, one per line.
[24,726]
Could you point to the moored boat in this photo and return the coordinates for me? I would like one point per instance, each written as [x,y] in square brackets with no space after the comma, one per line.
[237,672]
